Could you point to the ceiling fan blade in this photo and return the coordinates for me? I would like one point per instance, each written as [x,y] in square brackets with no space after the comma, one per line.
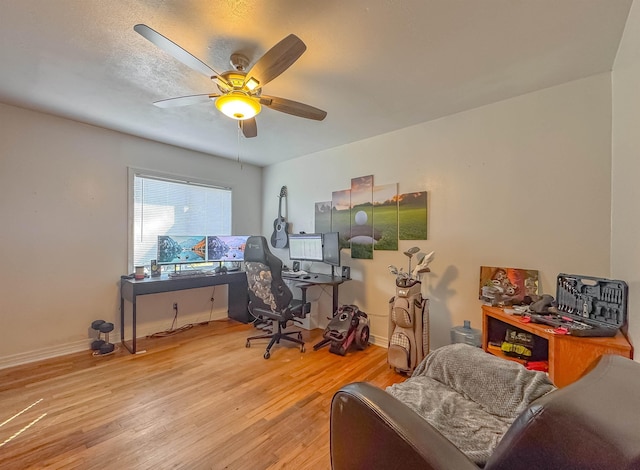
[184,100]
[292,107]
[276,60]
[176,51]
[249,127]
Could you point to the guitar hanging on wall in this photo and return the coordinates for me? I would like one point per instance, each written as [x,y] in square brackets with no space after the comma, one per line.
[280,235]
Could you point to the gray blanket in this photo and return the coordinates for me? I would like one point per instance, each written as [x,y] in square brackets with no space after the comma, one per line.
[470,396]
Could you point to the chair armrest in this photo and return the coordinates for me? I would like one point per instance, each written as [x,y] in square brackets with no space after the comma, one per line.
[297,309]
[302,307]
[372,429]
[592,423]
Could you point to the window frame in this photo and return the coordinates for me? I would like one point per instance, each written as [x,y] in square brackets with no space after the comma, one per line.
[175,178]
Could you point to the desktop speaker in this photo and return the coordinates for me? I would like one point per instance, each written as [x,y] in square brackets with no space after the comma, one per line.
[155,268]
[346,272]
[296,266]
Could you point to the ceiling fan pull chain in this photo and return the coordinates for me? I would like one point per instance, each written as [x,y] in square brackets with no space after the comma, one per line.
[239,131]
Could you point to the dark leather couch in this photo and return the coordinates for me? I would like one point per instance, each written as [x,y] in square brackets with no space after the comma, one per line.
[593,423]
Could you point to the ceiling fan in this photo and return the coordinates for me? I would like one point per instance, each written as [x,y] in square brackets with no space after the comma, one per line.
[240,90]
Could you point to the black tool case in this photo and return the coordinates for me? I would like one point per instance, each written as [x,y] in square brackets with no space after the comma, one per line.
[591,306]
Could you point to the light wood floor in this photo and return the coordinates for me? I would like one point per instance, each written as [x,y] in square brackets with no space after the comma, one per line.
[198,400]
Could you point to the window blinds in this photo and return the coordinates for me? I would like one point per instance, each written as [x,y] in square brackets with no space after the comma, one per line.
[164,206]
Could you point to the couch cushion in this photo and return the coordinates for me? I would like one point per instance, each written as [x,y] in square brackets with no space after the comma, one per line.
[500,387]
[470,428]
[470,396]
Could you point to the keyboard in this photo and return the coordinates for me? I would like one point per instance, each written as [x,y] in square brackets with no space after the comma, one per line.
[190,273]
[294,274]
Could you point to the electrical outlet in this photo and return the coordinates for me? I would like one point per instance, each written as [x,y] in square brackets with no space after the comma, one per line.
[175,305]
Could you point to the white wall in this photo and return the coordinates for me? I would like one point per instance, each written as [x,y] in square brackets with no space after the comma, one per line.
[525,182]
[521,183]
[63,230]
[625,222]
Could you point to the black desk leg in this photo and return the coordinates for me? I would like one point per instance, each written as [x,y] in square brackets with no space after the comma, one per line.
[335,299]
[121,318]
[123,341]
[133,325]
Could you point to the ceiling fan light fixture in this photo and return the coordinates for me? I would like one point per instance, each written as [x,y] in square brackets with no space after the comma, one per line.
[238,105]
[252,84]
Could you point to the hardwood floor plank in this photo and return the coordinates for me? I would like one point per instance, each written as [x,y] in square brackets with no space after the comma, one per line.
[196,400]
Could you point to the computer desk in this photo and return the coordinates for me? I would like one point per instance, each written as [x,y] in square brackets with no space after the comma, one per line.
[130,289]
[317,279]
[238,296]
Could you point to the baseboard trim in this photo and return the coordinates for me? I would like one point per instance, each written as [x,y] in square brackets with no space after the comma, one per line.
[142,330]
[45,353]
[379,341]
[85,345]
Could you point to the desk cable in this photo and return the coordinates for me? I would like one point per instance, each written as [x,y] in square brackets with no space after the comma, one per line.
[173,330]
[213,299]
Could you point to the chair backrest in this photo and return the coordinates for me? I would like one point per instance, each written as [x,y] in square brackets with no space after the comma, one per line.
[594,423]
[267,290]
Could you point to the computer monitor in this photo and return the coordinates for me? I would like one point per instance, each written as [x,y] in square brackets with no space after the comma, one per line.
[331,248]
[226,247]
[181,249]
[305,247]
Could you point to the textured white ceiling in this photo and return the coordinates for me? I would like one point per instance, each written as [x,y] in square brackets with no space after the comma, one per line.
[375,66]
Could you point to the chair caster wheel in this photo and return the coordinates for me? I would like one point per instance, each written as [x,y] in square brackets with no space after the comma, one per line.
[302,349]
[247,344]
[267,355]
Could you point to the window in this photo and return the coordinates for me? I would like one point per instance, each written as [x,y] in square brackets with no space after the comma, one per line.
[163,205]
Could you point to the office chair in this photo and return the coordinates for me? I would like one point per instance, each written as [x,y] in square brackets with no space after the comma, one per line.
[269,296]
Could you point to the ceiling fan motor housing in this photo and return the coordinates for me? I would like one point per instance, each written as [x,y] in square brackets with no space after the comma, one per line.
[240,62]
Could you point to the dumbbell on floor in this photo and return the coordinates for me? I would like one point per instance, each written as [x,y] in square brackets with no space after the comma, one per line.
[102,346]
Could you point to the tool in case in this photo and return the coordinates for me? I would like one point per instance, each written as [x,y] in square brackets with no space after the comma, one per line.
[588,306]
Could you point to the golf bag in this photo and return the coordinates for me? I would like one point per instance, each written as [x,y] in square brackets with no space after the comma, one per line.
[408,326]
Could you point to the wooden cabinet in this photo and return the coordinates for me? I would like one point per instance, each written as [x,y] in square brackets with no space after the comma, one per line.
[569,357]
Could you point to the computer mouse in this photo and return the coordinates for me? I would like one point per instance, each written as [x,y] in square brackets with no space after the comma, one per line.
[306,277]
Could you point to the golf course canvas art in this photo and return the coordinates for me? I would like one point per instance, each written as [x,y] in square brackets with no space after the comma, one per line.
[373,218]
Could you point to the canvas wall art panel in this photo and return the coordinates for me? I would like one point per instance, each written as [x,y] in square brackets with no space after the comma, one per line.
[341,216]
[412,216]
[362,239]
[323,217]
[385,217]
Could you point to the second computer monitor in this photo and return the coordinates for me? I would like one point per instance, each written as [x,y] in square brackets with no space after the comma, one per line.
[305,247]
[331,248]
